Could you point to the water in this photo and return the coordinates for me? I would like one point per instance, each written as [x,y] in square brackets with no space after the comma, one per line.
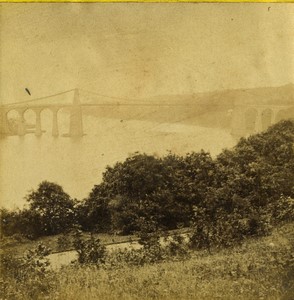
[77,164]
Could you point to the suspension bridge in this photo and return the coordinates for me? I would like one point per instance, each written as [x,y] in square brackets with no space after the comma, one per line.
[246,117]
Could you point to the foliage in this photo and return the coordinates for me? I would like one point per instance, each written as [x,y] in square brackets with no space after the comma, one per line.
[21,222]
[241,183]
[8,222]
[129,186]
[177,246]
[64,242]
[53,207]
[90,251]
[149,238]
[28,273]
[261,167]
[93,214]
[143,185]
[245,197]
[282,210]
[50,211]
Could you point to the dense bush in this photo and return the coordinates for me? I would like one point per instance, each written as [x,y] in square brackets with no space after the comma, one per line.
[245,198]
[90,251]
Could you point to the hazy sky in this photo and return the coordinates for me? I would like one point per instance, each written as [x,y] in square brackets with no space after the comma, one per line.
[141,50]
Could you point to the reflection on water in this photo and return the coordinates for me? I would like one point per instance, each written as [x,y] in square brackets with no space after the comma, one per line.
[77,164]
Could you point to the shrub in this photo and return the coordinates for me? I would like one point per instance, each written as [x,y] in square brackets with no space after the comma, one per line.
[90,251]
[282,210]
[176,246]
[63,242]
[27,275]
[215,227]
[149,238]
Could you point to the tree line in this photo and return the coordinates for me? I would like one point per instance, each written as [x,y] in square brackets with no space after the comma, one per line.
[243,191]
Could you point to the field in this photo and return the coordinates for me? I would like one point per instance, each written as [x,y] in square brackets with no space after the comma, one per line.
[261,268]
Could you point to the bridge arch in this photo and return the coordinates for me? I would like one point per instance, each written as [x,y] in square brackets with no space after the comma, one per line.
[281,115]
[250,118]
[46,116]
[33,116]
[30,118]
[63,118]
[55,119]
[291,112]
[285,114]
[266,118]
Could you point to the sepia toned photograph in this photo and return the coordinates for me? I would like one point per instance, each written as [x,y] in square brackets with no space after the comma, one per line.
[146,151]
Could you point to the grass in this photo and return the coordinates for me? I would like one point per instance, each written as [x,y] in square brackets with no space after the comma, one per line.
[261,268]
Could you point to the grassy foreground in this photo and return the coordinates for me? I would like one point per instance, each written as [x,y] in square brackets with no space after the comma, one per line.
[259,269]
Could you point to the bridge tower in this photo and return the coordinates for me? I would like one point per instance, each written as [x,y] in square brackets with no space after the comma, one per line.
[76,117]
[238,122]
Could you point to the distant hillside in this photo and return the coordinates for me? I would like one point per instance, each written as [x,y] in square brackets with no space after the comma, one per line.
[211,109]
[264,95]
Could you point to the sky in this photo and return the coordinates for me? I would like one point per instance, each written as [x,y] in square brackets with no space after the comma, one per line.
[142,50]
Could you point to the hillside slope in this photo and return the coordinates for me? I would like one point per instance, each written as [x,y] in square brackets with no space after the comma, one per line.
[262,268]
[211,109]
[259,269]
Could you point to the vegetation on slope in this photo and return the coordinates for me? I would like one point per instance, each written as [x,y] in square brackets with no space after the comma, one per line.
[261,268]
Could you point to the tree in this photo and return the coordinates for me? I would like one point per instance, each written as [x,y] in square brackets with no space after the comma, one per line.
[8,222]
[136,178]
[239,183]
[53,208]
[24,222]
[93,214]
[127,186]
[141,186]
